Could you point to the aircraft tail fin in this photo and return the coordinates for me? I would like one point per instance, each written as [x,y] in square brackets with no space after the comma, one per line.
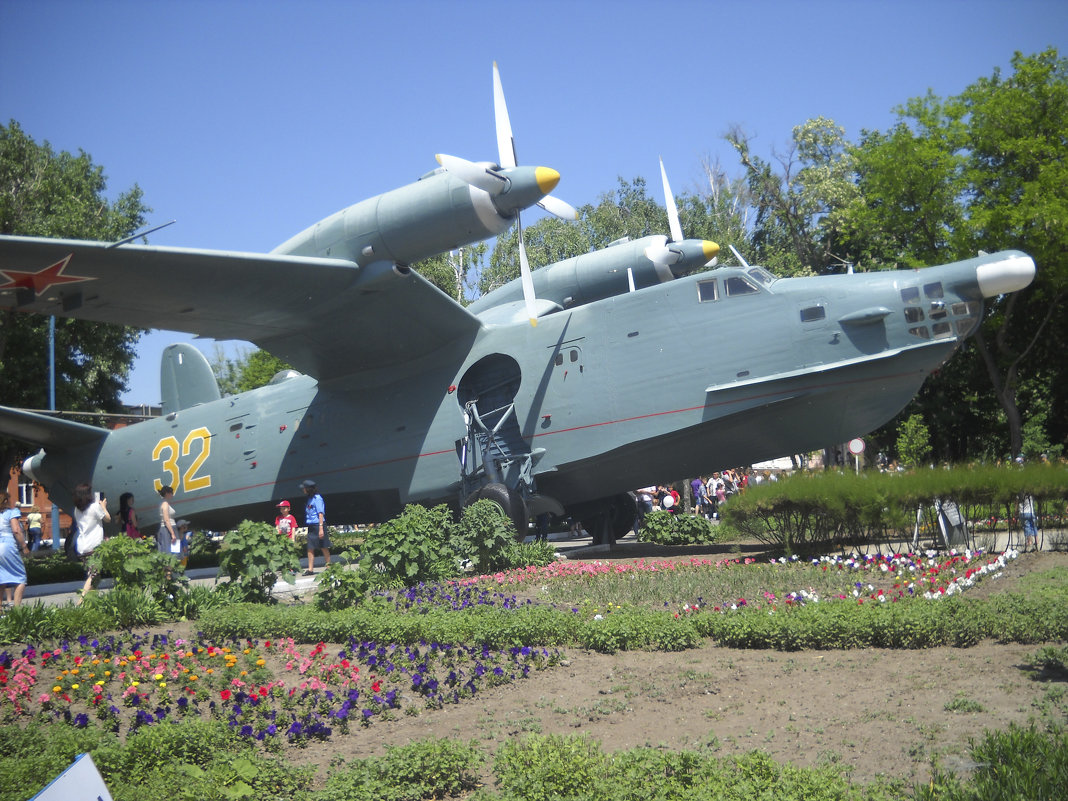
[47,431]
[185,378]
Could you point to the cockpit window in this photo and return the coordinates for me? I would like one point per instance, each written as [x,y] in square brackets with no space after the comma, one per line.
[736,285]
[706,291]
[910,296]
[914,315]
[761,275]
[933,290]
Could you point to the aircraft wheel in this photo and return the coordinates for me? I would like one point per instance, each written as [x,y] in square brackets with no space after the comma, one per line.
[509,500]
[612,520]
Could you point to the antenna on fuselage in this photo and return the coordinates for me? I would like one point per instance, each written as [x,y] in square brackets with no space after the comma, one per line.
[140,234]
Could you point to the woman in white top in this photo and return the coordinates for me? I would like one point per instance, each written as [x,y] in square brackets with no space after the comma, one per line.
[167,533]
[90,512]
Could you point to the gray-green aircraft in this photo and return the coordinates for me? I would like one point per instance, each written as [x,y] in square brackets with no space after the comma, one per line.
[558,392]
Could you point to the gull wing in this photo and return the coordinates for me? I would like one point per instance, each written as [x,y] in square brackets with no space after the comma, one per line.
[328,318]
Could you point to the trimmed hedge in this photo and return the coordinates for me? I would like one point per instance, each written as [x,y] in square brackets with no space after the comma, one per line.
[810,512]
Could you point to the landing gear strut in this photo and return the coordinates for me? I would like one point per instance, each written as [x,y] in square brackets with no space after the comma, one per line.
[608,519]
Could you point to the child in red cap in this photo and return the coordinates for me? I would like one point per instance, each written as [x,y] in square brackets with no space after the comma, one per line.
[285,523]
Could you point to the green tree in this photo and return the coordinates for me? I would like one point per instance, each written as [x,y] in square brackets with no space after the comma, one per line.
[793,232]
[259,368]
[984,170]
[49,194]
[452,272]
[250,369]
[626,212]
[913,441]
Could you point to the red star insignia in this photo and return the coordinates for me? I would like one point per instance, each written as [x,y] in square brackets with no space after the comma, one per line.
[42,280]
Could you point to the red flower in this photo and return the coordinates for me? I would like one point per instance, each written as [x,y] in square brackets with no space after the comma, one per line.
[376,687]
[263,691]
[226,694]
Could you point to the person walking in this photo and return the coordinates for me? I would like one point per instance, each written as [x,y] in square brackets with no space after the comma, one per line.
[315,519]
[12,547]
[34,524]
[90,512]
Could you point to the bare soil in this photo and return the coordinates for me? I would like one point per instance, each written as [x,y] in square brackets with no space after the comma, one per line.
[871,712]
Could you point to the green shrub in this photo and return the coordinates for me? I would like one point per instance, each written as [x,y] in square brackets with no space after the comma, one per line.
[483,534]
[530,554]
[139,569]
[434,768]
[551,767]
[413,546]
[344,583]
[254,557]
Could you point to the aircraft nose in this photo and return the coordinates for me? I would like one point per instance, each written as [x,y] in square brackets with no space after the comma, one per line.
[1007,275]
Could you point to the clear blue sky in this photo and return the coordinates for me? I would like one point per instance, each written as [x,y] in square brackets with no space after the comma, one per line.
[249,121]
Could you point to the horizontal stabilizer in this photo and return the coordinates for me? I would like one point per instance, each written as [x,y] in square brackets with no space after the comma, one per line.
[46,431]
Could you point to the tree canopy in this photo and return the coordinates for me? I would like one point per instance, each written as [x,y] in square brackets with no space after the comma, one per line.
[49,194]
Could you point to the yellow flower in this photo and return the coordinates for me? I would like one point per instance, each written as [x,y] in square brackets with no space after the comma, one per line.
[163,684]
[107,672]
[209,671]
[158,676]
[74,686]
[74,671]
[193,677]
[57,689]
[244,672]
[260,663]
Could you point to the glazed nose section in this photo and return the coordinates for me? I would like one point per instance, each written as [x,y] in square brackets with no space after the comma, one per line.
[1008,275]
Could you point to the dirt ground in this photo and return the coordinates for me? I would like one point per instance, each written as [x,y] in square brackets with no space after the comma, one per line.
[872,712]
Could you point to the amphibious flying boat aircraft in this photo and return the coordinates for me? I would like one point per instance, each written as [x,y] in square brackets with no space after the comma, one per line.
[557,392]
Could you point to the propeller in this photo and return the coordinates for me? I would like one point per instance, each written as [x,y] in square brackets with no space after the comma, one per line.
[494,179]
[659,253]
[506,154]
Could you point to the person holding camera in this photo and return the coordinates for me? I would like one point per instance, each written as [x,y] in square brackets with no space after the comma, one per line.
[90,512]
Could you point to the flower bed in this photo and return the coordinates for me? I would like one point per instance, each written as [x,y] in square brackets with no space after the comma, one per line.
[267,690]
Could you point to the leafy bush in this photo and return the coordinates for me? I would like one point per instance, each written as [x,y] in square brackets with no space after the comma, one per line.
[435,768]
[254,557]
[139,568]
[344,583]
[484,535]
[550,767]
[1015,763]
[531,554]
[413,546]
[52,568]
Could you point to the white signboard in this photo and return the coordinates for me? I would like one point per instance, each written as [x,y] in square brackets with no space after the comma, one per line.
[80,782]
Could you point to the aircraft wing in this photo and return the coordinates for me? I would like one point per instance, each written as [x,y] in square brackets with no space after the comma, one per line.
[327,317]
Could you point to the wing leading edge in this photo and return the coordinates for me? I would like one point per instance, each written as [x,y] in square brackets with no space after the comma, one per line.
[327,317]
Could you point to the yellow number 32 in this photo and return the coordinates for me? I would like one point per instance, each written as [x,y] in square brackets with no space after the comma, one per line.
[190,481]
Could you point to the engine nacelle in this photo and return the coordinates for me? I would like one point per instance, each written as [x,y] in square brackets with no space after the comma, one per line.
[435,214]
[603,273]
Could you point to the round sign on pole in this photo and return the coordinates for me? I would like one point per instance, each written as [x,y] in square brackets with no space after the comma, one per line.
[856,446]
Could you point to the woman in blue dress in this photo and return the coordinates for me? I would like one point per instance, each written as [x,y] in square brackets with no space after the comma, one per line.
[12,546]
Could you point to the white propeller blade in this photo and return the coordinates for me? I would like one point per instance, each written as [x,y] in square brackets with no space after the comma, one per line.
[526,278]
[672,210]
[505,140]
[480,175]
[558,208]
